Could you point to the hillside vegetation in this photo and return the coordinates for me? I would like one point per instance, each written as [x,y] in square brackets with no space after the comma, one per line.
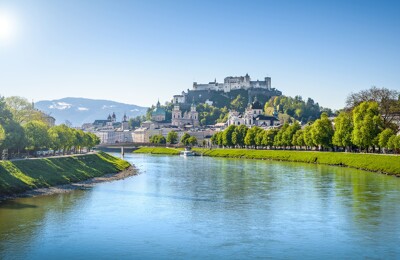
[23,175]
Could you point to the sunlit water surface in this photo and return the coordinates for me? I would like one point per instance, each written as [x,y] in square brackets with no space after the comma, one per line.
[211,208]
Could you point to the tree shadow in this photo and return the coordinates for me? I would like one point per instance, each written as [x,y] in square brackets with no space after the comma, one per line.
[11,204]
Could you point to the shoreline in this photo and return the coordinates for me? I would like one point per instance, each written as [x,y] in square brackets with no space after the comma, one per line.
[378,163]
[65,188]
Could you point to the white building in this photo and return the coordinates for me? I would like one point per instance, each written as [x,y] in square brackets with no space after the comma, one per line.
[232,83]
[114,136]
[253,116]
[187,118]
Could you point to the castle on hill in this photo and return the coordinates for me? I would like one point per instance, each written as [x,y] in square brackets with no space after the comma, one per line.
[232,83]
[209,93]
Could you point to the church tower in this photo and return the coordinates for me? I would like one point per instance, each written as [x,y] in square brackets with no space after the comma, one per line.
[176,115]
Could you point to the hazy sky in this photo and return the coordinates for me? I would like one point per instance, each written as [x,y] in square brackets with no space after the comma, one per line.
[138,51]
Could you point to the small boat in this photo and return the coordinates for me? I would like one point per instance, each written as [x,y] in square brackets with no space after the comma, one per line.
[187,152]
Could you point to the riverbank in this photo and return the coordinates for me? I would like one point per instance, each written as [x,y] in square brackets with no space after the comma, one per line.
[386,164]
[158,150]
[54,175]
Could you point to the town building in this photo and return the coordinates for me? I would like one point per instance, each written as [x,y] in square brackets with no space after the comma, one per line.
[158,114]
[187,119]
[253,116]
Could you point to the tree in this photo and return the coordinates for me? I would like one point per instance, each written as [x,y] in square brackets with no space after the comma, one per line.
[394,143]
[61,137]
[22,110]
[227,135]
[157,139]
[239,135]
[387,100]
[2,135]
[367,124]
[279,136]
[15,136]
[192,140]
[259,138]
[36,135]
[238,103]
[135,122]
[384,137]
[307,137]
[298,138]
[343,130]
[184,139]
[322,131]
[250,138]
[172,137]
[269,136]
[287,135]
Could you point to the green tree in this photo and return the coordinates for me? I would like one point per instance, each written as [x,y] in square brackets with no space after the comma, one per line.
[192,140]
[135,122]
[278,141]
[61,137]
[172,137]
[184,139]
[322,132]
[287,135]
[36,135]
[343,130]
[238,103]
[394,143]
[367,124]
[384,137]
[298,138]
[269,136]
[307,136]
[157,139]
[250,138]
[2,135]
[388,103]
[23,111]
[227,136]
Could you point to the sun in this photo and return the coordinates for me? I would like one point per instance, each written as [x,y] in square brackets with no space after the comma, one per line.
[7,27]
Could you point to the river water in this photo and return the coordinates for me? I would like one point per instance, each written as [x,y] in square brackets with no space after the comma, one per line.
[184,208]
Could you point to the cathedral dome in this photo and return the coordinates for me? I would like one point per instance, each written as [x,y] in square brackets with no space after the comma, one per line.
[158,111]
[256,105]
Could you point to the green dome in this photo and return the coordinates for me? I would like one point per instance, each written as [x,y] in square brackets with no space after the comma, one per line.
[158,111]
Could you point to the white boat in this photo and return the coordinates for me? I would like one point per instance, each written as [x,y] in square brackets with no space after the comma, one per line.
[187,153]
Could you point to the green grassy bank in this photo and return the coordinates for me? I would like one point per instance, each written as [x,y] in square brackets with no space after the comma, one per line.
[158,150]
[387,164]
[371,162]
[23,175]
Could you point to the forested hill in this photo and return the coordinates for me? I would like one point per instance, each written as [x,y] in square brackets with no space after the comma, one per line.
[288,109]
[82,110]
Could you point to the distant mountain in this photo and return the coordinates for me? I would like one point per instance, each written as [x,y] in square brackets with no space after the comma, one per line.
[82,110]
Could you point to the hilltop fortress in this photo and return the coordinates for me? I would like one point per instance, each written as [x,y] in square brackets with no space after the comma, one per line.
[220,94]
[232,83]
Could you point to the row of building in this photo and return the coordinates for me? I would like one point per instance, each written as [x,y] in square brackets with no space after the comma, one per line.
[184,116]
[110,131]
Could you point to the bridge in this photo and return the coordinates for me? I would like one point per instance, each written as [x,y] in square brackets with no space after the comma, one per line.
[124,147]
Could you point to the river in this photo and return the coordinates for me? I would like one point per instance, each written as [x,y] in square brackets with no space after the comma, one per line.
[184,208]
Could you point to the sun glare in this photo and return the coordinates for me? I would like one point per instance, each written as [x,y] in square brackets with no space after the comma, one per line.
[7,27]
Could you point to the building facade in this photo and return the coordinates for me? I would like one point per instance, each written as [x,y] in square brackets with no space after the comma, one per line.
[232,83]
[187,118]
[253,116]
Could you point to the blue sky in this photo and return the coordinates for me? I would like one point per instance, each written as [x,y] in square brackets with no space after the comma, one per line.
[138,51]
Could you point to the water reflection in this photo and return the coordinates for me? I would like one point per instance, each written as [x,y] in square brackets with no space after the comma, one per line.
[211,208]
